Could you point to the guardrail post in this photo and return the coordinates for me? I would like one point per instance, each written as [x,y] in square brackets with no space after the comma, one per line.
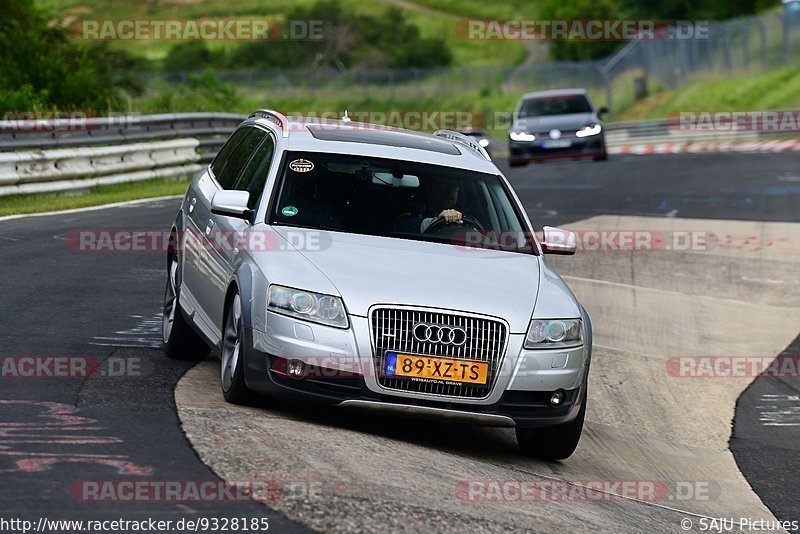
[607,82]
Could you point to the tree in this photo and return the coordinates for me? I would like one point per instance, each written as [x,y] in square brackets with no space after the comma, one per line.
[42,66]
[579,50]
[348,40]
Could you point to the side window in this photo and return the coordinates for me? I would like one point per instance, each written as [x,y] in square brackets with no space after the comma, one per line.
[222,157]
[254,176]
[238,158]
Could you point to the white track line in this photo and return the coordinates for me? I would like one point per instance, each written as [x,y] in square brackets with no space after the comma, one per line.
[88,208]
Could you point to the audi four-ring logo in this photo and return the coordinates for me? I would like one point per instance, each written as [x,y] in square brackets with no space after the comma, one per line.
[434,333]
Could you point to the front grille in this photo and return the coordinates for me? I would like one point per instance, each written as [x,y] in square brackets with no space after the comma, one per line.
[392,331]
[546,135]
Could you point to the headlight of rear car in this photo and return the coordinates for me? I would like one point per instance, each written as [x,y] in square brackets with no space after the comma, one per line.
[521,136]
[554,334]
[586,131]
[314,307]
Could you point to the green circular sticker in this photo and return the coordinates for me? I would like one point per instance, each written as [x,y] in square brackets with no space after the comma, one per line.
[289,211]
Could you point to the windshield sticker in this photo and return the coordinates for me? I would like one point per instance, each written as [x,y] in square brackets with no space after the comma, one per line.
[301,165]
[289,211]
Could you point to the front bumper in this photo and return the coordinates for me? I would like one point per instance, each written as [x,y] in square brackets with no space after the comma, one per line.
[340,371]
[580,147]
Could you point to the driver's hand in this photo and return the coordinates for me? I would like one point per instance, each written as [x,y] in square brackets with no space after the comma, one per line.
[450,216]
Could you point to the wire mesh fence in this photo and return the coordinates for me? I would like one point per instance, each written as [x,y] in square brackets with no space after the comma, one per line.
[670,60]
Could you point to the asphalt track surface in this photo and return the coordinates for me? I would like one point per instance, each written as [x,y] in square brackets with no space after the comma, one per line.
[58,302]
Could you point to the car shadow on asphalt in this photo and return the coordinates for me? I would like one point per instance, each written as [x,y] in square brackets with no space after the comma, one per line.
[463,439]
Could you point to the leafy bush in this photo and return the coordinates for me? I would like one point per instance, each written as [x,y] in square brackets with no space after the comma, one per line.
[43,67]
[191,55]
[349,40]
[203,92]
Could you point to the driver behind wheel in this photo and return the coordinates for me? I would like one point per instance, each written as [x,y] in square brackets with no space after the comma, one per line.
[440,195]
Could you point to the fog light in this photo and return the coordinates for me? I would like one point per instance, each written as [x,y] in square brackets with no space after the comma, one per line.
[295,369]
[557,398]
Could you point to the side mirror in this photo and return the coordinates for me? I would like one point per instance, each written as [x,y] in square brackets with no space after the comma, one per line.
[231,204]
[602,111]
[558,241]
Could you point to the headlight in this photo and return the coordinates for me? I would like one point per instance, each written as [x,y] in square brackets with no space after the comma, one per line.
[484,142]
[586,131]
[315,307]
[554,334]
[521,136]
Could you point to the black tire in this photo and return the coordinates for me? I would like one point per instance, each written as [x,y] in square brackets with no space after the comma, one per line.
[232,382]
[553,442]
[181,342]
[601,157]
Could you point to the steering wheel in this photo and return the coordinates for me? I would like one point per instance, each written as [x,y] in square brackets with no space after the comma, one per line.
[467,220]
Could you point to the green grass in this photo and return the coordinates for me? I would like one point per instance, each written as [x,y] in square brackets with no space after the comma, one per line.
[480,103]
[481,9]
[778,89]
[94,196]
[487,102]
[434,18]
[753,90]
[771,90]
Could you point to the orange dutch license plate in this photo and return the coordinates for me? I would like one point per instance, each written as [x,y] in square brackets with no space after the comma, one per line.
[446,369]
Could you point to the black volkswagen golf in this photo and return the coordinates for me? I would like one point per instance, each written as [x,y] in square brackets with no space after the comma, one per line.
[556,124]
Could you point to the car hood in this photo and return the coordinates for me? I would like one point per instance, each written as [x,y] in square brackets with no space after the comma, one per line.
[369,270]
[573,121]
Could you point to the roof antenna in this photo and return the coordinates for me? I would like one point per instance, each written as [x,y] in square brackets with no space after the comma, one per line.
[345,118]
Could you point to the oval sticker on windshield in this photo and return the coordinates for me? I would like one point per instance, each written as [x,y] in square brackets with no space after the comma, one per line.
[289,211]
[301,165]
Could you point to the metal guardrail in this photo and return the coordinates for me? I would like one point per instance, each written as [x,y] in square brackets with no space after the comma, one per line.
[211,128]
[81,153]
[75,168]
[99,151]
[669,131]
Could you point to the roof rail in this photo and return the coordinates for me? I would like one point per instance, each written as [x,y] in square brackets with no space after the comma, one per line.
[278,118]
[462,139]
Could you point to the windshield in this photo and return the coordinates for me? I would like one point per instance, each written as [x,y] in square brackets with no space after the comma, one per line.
[554,105]
[403,199]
